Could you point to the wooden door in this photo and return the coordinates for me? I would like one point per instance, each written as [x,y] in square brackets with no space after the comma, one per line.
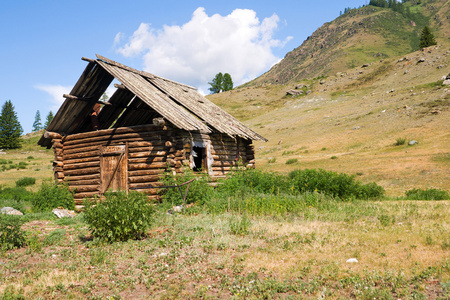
[114,168]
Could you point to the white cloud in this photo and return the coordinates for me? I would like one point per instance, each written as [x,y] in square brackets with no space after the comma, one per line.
[118,38]
[56,92]
[238,44]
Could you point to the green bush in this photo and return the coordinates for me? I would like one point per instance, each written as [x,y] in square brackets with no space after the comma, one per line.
[400,141]
[291,161]
[428,194]
[199,190]
[52,195]
[26,181]
[119,217]
[11,236]
[334,184]
[15,193]
[250,181]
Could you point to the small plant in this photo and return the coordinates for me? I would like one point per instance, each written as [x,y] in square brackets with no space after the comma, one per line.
[400,141]
[446,244]
[428,194]
[26,181]
[11,236]
[34,243]
[22,165]
[386,220]
[120,217]
[272,160]
[240,226]
[334,157]
[291,161]
[55,237]
[52,195]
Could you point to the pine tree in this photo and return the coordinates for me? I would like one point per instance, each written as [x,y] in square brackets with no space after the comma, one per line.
[227,84]
[48,119]
[10,128]
[37,125]
[216,84]
[427,38]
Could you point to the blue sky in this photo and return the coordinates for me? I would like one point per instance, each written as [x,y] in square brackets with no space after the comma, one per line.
[42,42]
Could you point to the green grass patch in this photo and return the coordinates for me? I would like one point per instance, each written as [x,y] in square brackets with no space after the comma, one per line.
[427,194]
[292,161]
[26,181]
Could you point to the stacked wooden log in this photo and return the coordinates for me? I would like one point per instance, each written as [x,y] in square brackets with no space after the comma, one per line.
[229,153]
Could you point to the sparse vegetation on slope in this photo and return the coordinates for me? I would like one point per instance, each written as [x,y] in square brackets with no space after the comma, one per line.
[362,35]
[356,115]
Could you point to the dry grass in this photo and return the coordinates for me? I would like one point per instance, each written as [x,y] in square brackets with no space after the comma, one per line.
[198,257]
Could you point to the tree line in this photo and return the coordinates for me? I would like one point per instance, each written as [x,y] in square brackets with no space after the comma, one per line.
[10,128]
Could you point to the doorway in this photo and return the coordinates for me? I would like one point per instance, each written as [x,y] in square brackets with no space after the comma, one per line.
[199,159]
[114,168]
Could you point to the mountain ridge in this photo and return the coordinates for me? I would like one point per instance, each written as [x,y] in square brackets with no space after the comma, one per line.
[360,36]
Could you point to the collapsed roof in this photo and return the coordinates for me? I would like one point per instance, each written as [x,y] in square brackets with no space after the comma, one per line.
[139,98]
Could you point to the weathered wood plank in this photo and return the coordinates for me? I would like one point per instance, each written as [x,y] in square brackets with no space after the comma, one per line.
[145,178]
[144,166]
[145,172]
[95,181]
[79,172]
[81,165]
[95,176]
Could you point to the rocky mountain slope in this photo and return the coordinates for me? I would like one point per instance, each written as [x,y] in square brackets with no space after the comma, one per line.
[361,36]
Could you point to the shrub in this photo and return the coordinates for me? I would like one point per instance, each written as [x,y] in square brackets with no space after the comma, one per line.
[291,161]
[11,236]
[199,190]
[400,141]
[119,217]
[334,184]
[250,181]
[52,195]
[428,194]
[272,160]
[26,181]
[22,165]
[16,194]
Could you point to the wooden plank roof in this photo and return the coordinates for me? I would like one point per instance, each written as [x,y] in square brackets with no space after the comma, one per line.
[140,97]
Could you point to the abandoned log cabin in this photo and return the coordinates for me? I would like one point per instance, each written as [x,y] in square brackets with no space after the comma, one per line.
[149,125]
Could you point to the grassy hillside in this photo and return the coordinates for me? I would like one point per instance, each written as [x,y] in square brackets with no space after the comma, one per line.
[29,161]
[350,121]
[361,36]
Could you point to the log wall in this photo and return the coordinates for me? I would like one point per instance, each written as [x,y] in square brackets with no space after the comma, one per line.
[151,149]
